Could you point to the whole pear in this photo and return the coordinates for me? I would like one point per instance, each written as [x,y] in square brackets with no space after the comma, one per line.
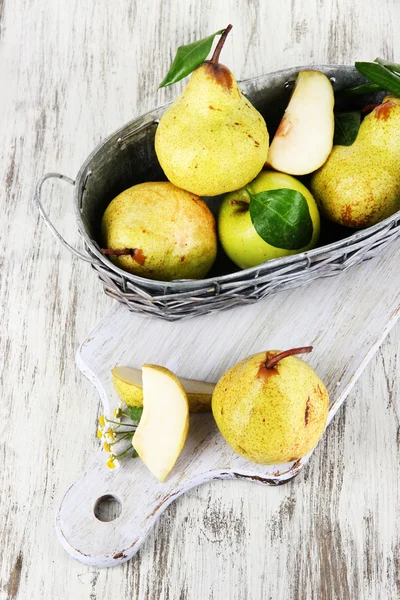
[159,231]
[211,140]
[240,240]
[359,185]
[271,412]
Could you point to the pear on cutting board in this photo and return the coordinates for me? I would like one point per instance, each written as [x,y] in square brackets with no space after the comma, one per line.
[359,185]
[271,407]
[304,137]
[163,427]
[128,385]
[212,140]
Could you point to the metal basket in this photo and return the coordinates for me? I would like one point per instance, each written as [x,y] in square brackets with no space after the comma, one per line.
[127,157]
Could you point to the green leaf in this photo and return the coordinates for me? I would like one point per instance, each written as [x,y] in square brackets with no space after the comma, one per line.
[360,90]
[379,74]
[281,218]
[134,454]
[389,65]
[347,125]
[134,412]
[188,58]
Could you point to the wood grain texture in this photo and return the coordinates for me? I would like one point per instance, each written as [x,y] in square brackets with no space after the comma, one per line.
[71,73]
[206,347]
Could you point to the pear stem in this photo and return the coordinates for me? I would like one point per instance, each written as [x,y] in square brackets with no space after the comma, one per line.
[219,46]
[136,253]
[271,362]
[123,252]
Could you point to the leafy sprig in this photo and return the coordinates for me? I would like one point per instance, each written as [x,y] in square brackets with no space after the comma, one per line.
[383,76]
[190,56]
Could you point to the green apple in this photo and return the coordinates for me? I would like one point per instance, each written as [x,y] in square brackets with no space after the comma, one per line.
[238,236]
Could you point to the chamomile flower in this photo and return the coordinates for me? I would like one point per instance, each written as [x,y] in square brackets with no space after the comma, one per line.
[110,435]
[117,432]
[113,462]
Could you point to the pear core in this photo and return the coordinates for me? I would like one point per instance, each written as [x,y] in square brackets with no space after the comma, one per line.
[171,232]
[271,416]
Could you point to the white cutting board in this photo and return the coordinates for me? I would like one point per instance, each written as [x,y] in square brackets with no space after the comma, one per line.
[345,318]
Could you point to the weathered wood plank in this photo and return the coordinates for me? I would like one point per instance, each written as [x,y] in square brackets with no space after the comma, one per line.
[71,74]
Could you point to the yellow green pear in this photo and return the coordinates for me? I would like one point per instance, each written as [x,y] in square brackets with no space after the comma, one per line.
[238,236]
[359,185]
[212,140]
[159,231]
[128,385]
[163,427]
[271,407]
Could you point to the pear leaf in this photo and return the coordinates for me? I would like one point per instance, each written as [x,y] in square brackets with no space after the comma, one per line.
[347,125]
[383,76]
[395,67]
[281,218]
[188,58]
[360,90]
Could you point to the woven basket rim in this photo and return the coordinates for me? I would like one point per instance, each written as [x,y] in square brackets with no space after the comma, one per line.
[192,284]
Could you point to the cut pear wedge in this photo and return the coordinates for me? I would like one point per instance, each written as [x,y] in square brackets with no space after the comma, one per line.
[304,137]
[128,385]
[163,427]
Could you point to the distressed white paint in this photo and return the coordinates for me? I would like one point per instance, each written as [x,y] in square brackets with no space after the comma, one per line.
[343,318]
[72,73]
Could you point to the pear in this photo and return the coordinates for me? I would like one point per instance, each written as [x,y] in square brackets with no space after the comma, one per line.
[304,137]
[128,385]
[359,185]
[240,240]
[159,231]
[163,427]
[211,140]
[271,407]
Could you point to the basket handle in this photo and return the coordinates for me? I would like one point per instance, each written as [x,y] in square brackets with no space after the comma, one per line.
[46,218]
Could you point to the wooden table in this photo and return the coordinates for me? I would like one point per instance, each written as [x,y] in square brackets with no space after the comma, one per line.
[72,73]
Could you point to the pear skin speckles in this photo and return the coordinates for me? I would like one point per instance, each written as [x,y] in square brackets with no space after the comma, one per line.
[359,185]
[202,141]
[271,419]
[172,232]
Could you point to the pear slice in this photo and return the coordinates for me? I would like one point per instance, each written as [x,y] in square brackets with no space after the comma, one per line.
[128,385]
[162,430]
[304,137]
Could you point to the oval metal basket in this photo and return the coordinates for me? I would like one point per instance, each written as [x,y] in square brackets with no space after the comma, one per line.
[127,157]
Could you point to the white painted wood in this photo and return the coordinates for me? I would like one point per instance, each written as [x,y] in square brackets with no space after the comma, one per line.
[344,318]
[71,73]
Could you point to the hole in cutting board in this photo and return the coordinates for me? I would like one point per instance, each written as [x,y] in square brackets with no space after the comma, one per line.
[107,508]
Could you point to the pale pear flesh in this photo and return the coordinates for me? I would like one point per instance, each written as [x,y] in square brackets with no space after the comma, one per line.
[172,230]
[304,137]
[128,385]
[163,427]
[359,185]
[211,140]
[240,240]
[271,416]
